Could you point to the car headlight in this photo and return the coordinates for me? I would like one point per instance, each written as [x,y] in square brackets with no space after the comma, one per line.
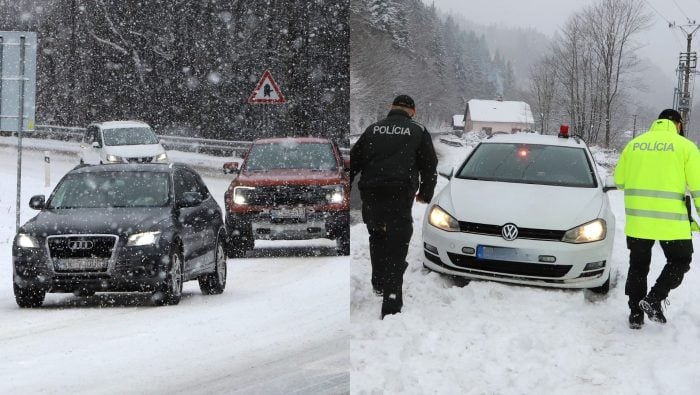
[241,195]
[334,193]
[162,157]
[595,230]
[441,220]
[113,158]
[143,239]
[26,241]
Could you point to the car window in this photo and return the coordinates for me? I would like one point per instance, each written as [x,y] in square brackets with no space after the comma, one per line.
[186,181]
[91,134]
[129,136]
[201,186]
[111,189]
[529,163]
[315,156]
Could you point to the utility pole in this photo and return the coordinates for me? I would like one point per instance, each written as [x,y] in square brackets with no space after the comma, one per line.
[686,70]
[634,126]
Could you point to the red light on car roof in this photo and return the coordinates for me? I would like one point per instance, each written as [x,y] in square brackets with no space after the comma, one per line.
[564,131]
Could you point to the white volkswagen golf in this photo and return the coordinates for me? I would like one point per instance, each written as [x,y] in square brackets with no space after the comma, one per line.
[527,209]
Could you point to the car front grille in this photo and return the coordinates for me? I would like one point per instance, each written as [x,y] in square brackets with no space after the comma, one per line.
[81,253]
[523,233]
[508,267]
[288,195]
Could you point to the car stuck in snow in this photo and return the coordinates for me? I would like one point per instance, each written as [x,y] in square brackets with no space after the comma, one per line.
[526,209]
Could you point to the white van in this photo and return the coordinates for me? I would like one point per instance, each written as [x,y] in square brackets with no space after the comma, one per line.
[121,142]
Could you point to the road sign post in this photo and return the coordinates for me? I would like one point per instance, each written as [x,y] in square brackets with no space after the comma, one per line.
[17,92]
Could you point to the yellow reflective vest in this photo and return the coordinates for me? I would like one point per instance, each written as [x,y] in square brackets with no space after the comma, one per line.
[654,170]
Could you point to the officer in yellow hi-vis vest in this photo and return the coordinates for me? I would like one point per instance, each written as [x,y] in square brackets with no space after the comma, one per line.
[655,170]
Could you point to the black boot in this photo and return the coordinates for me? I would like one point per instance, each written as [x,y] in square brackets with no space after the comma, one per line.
[377,286]
[636,319]
[653,310]
[391,304]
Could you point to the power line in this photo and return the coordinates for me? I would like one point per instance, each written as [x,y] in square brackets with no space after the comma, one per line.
[681,10]
[670,24]
[658,13]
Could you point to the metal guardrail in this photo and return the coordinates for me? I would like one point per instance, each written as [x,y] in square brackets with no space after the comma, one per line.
[189,144]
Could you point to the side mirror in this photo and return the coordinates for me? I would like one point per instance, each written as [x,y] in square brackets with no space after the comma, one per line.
[231,167]
[346,163]
[96,144]
[609,184]
[190,199]
[37,202]
[445,171]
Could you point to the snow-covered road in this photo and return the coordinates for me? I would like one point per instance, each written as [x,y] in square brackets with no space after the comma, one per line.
[280,326]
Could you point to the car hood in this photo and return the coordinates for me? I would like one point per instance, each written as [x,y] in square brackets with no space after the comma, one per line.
[102,221]
[525,205]
[290,176]
[134,151]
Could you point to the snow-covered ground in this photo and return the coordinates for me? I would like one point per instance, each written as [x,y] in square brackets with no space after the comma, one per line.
[281,325]
[493,338]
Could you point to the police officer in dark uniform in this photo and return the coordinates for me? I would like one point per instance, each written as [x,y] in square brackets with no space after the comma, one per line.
[396,159]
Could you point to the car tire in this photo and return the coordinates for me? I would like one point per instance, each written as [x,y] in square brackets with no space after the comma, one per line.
[172,292]
[215,283]
[29,297]
[603,289]
[343,243]
[237,246]
[460,281]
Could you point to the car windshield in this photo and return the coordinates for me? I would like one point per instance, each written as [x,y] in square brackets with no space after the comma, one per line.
[530,164]
[129,136]
[111,189]
[315,156]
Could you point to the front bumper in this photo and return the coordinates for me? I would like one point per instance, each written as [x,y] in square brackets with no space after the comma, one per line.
[521,261]
[131,269]
[261,225]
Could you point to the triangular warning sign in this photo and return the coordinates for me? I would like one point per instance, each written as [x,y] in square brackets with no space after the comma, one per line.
[266,91]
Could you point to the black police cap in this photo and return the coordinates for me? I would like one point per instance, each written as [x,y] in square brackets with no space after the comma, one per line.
[671,114]
[404,101]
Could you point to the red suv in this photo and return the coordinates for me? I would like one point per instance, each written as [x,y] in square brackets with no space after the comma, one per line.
[293,188]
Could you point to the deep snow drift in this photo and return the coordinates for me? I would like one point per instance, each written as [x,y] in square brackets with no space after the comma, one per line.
[493,338]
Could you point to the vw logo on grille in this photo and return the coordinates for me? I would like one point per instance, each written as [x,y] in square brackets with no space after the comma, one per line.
[509,232]
[80,245]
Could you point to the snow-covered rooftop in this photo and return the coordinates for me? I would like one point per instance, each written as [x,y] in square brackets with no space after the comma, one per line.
[500,111]
[123,124]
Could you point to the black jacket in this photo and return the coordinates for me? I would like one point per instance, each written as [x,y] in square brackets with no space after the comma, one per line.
[395,152]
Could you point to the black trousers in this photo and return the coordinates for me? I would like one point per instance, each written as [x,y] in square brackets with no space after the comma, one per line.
[387,214]
[678,256]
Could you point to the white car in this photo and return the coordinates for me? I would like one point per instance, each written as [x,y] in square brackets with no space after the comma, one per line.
[527,209]
[121,142]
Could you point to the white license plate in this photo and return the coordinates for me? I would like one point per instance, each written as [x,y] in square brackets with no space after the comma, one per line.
[288,213]
[84,264]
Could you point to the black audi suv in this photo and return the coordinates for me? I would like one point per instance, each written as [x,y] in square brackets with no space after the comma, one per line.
[121,228]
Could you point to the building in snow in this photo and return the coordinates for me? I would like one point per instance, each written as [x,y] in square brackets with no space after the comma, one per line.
[493,116]
[458,122]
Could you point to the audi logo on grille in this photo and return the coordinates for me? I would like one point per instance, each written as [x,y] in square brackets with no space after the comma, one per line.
[81,245]
[509,232]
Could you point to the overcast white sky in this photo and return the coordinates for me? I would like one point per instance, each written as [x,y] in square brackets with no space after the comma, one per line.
[662,44]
